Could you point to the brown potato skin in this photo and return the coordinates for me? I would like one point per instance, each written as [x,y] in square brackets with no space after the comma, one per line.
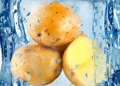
[38,68]
[53,28]
[62,48]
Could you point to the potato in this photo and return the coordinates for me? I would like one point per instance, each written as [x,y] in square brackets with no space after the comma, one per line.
[62,48]
[36,64]
[54,24]
[84,62]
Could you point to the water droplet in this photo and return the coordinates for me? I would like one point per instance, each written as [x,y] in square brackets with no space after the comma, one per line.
[100,27]
[101,13]
[95,22]
[1,81]
[11,64]
[71,84]
[12,38]
[96,10]
[40,40]
[28,13]
[103,35]
[110,11]
[105,74]
[14,11]
[111,16]
[18,76]
[77,8]
[18,54]
[7,69]
[5,84]
[44,82]
[75,67]
[25,83]
[28,76]
[14,3]
[36,40]
[16,64]
[80,32]
[96,58]
[43,58]
[4,21]
[74,6]
[7,30]
[49,3]
[92,57]
[58,61]
[68,20]
[37,21]
[79,25]
[23,19]
[85,77]
[111,35]
[3,9]
[22,62]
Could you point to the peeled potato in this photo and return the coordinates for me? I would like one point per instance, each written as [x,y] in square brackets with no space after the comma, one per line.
[36,64]
[54,24]
[84,63]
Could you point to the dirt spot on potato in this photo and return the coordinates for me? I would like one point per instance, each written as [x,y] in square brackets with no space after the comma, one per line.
[27,50]
[55,41]
[39,75]
[72,74]
[56,70]
[46,30]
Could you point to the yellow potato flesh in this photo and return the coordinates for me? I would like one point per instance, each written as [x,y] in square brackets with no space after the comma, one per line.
[54,24]
[36,64]
[84,63]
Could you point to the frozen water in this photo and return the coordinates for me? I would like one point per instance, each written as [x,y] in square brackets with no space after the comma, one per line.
[7,30]
[15,35]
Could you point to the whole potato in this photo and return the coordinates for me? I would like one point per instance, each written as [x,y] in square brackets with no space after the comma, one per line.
[54,24]
[36,64]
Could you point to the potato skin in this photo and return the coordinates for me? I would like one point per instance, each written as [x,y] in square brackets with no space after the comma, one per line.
[54,24]
[62,48]
[38,61]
